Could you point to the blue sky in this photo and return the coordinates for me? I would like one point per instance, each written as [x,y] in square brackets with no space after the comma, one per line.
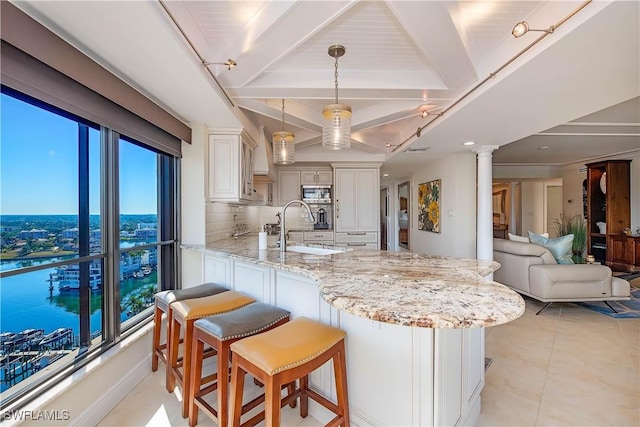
[39,165]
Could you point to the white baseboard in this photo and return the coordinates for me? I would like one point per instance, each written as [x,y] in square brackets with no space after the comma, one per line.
[101,407]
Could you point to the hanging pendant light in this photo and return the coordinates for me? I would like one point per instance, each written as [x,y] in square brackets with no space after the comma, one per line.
[336,118]
[284,146]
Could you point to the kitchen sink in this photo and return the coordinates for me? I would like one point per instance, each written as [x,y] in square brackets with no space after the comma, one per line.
[313,250]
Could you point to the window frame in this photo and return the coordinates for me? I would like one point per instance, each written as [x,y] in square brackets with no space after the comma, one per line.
[167,246]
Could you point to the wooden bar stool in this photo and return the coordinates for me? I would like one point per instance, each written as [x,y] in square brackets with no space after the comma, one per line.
[185,313]
[282,355]
[162,304]
[220,331]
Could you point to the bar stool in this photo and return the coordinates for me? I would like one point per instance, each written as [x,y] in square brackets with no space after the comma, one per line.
[286,353]
[220,331]
[162,304]
[185,313]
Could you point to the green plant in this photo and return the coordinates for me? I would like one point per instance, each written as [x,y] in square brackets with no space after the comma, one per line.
[577,226]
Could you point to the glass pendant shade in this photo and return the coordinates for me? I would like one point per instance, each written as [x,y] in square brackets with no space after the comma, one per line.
[336,126]
[284,151]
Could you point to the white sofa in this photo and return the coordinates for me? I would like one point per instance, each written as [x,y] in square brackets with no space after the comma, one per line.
[531,270]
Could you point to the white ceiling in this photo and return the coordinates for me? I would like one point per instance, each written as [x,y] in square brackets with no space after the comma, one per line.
[402,58]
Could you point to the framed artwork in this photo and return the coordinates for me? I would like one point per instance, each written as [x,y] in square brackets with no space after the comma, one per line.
[429,206]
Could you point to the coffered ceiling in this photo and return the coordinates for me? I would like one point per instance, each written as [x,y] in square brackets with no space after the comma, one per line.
[455,60]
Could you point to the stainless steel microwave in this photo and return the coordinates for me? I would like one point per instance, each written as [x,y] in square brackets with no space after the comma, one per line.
[319,194]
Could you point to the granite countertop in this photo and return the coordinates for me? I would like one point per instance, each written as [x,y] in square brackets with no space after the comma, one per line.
[402,288]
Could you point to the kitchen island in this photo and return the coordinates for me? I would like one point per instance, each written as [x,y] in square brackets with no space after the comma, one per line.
[414,323]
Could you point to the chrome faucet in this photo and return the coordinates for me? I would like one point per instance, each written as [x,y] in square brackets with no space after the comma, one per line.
[283,231]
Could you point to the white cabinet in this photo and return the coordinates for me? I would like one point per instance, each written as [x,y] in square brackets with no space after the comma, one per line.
[295,236]
[357,240]
[217,269]
[458,375]
[356,199]
[357,196]
[290,181]
[317,177]
[263,194]
[437,374]
[318,236]
[253,280]
[288,186]
[230,166]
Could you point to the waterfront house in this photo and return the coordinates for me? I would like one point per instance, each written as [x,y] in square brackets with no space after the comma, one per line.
[566,86]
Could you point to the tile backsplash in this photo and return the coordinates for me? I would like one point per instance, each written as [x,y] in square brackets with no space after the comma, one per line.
[222,219]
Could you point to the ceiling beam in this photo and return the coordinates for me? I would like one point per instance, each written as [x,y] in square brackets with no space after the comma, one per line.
[301,23]
[427,23]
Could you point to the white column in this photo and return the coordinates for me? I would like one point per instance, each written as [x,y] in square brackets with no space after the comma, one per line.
[513,221]
[484,227]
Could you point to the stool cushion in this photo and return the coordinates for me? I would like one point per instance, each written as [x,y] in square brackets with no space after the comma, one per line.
[289,345]
[195,292]
[196,308]
[240,323]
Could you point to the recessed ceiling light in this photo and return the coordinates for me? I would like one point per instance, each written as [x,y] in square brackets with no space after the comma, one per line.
[385,174]
[544,147]
[468,143]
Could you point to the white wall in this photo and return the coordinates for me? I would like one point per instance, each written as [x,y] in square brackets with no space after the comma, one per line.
[193,231]
[533,211]
[554,208]
[92,392]
[457,207]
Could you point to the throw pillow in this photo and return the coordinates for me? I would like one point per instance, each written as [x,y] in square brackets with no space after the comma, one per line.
[517,238]
[559,247]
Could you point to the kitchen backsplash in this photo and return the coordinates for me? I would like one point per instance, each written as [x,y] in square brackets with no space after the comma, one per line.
[224,219]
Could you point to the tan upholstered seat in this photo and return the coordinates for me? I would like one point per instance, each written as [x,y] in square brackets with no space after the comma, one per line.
[185,313]
[300,341]
[282,355]
[162,304]
[219,332]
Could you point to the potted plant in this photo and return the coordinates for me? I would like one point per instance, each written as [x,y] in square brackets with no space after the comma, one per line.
[577,226]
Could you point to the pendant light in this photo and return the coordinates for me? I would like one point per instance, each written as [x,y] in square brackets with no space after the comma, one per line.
[336,118]
[284,146]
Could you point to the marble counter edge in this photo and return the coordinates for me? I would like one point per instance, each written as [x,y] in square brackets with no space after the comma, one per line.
[456,305]
[252,260]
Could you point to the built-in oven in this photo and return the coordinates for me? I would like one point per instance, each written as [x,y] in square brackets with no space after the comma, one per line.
[316,194]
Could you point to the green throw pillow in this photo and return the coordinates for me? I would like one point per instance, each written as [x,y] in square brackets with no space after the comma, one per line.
[560,247]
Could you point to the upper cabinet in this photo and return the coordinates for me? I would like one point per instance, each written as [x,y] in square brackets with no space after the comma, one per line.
[317,177]
[230,166]
[288,186]
[290,181]
[608,206]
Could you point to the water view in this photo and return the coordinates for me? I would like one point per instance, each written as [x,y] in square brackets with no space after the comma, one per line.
[40,310]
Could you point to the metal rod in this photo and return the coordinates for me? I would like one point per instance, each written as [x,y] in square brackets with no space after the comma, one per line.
[193,48]
[493,74]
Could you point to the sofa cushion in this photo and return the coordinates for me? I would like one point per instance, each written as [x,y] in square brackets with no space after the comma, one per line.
[516,238]
[620,287]
[559,247]
[577,282]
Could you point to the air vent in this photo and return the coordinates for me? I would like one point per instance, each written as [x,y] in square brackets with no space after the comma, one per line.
[416,149]
[583,169]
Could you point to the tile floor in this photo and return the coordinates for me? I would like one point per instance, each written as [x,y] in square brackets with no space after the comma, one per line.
[568,366]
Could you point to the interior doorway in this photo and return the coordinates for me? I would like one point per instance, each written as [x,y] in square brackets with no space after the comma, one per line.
[403,215]
[384,218]
[554,208]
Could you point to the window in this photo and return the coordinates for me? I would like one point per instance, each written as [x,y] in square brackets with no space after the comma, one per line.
[88,235]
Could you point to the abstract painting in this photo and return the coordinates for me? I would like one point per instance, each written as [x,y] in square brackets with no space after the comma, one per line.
[429,206]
